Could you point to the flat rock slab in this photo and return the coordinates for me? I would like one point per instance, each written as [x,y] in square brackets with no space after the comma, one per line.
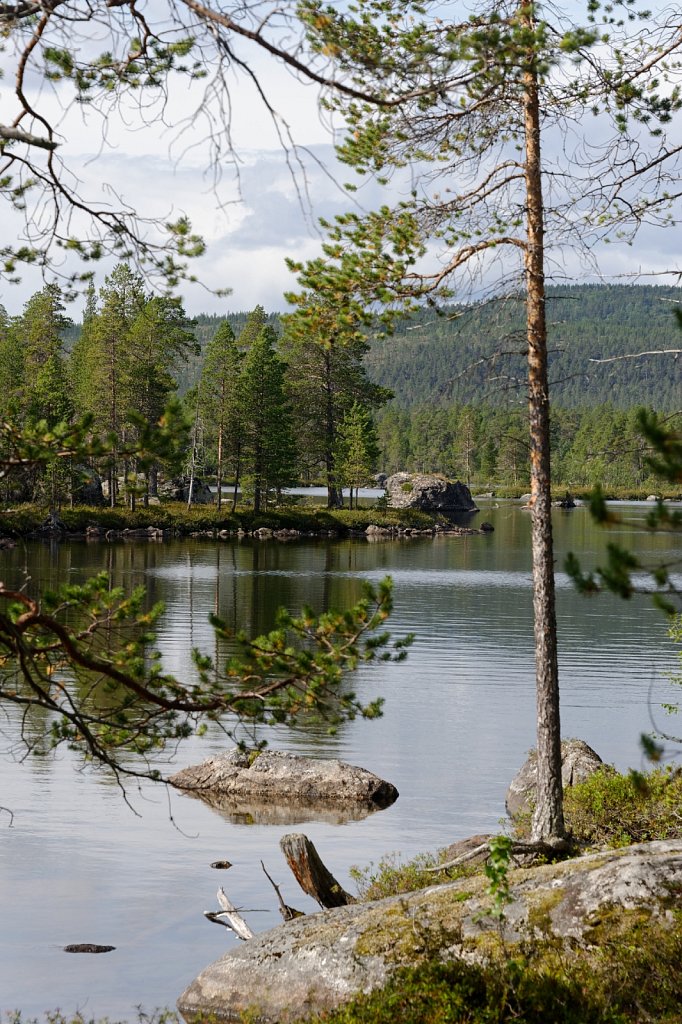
[318,962]
[284,785]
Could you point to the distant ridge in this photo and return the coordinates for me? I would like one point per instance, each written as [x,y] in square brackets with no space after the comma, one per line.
[445,357]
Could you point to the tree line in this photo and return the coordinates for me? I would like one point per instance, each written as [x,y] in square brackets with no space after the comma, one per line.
[486,445]
[273,403]
[267,408]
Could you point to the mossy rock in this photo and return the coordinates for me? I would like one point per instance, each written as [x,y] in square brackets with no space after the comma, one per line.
[319,962]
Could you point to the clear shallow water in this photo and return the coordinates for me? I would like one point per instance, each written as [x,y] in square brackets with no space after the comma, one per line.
[77,865]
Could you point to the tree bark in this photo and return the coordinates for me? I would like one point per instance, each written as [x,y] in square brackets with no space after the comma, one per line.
[548,819]
[311,874]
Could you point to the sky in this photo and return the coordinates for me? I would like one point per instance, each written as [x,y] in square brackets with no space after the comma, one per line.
[260,210]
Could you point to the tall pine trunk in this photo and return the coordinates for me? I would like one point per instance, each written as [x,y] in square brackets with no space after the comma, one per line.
[548,819]
[219,468]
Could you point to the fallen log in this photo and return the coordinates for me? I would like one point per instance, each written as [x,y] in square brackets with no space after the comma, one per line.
[311,874]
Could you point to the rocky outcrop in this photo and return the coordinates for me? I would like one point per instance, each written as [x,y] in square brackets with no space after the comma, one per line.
[178,490]
[286,787]
[428,492]
[578,762]
[317,962]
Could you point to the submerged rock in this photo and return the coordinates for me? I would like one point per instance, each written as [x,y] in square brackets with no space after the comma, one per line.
[285,787]
[578,762]
[317,962]
[87,947]
[428,492]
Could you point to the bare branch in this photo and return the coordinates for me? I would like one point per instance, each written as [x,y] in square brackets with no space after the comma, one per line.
[639,355]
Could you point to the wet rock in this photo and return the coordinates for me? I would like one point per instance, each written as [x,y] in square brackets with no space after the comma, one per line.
[318,962]
[275,780]
[428,492]
[578,762]
[87,947]
[52,526]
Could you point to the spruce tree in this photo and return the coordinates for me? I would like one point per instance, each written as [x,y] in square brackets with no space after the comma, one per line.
[357,450]
[269,452]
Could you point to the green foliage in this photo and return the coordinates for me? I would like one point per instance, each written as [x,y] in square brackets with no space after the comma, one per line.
[496,869]
[486,446]
[609,809]
[391,876]
[464,993]
[268,449]
[448,356]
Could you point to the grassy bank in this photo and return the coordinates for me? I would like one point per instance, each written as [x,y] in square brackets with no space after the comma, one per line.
[205,519]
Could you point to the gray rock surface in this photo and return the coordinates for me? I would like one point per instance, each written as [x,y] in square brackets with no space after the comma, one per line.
[281,780]
[178,490]
[578,762]
[428,492]
[320,961]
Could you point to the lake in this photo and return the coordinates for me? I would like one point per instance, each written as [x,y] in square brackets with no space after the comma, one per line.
[79,864]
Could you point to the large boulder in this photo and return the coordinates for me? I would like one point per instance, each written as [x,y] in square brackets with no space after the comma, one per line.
[429,493]
[178,490]
[578,762]
[317,962]
[287,787]
[88,489]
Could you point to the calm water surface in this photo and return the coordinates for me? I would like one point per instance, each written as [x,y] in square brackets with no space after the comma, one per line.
[79,865]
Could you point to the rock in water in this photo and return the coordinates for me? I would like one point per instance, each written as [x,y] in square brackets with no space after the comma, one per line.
[578,762]
[277,777]
[429,493]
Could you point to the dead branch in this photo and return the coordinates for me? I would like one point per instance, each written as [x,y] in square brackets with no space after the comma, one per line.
[287,912]
[549,849]
[639,355]
[230,917]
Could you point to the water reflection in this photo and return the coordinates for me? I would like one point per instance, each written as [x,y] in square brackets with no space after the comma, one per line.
[79,866]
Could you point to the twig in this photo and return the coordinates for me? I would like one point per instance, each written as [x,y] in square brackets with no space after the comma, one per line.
[287,912]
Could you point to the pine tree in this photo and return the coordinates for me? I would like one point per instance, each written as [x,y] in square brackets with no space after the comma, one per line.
[39,329]
[122,301]
[325,354]
[159,340]
[220,407]
[250,332]
[482,95]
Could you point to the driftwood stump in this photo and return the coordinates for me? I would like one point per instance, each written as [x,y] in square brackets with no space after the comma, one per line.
[311,874]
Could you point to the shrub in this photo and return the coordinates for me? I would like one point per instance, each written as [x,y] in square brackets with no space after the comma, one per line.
[609,809]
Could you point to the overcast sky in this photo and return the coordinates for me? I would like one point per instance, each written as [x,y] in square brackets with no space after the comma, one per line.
[271,212]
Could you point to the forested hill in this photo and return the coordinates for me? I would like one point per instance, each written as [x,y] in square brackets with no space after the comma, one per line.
[441,357]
